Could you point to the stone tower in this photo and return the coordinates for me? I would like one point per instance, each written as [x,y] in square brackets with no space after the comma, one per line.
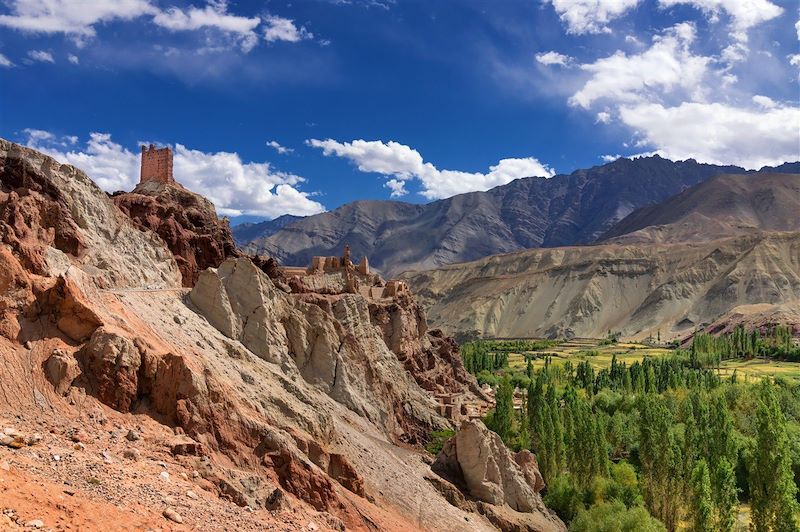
[156,165]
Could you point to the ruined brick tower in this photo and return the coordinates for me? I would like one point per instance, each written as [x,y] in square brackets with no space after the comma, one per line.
[156,165]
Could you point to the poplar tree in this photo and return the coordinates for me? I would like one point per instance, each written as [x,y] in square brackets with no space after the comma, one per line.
[701,510]
[726,496]
[503,410]
[773,493]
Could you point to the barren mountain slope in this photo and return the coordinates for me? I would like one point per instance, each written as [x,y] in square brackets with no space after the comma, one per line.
[635,289]
[722,206]
[236,405]
[526,213]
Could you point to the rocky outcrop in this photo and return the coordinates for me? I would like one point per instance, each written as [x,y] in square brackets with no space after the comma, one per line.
[330,343]
[430,356]
[477,461]
[186,221]
[252,387]
[52,216]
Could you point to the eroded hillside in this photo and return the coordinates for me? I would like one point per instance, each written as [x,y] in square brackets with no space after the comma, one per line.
[259,398]
[636,289]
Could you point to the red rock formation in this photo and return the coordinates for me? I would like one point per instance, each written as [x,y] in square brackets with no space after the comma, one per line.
[187,222]
[33,216]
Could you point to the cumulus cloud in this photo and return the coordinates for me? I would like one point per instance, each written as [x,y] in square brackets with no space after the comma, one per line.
[718,133]
[214,15]
[41,56]
[79,22]
[72,58]
[590,16]
[397,187]
[553,58]
[235,187]
[764,101]
[63,16]
[679,105]
[284,29]
[666,66]
[274,144]
[5,61]
[403,164]
[744,13]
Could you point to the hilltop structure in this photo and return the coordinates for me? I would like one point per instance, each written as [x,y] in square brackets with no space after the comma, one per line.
[357,277]
[156,165]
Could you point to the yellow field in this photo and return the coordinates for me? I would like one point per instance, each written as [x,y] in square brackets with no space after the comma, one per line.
[758,368]
[599,356]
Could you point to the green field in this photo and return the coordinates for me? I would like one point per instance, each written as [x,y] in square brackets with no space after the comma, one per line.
[589,349]
[599,356]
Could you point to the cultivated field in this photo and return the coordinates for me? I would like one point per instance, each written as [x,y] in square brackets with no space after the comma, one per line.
[599,356]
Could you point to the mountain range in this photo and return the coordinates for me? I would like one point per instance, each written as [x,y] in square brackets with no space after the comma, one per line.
[727,247]
[534,212]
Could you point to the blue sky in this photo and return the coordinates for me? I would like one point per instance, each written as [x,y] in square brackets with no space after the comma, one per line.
[299,107]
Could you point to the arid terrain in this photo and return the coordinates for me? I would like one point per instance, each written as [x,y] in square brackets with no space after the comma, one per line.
[714,254]
[141,389]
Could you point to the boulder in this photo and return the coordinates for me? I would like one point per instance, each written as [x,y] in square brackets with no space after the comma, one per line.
[477,460]
[111,363]
[61,369]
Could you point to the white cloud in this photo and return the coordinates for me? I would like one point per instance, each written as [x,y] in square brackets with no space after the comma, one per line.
[284,29]
[235,187]
[744,13]
[397,186]
[610,158]
[41,55]
[718,133]
[5,61]
[632,39]
[794,59]
[603,117]
[797,29]
[553,58]
[214,15]
[274,144]
[666,66]
[764,101]
[590,16]
[403,163]
[72,58]
[64,16]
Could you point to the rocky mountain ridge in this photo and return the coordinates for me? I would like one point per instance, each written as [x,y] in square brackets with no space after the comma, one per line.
[527,213]
[186,221]
[724,205]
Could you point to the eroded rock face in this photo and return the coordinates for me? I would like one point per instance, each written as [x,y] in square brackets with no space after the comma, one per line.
[328,339]
[53,216]
[477,461]
[430,356]
[186,221]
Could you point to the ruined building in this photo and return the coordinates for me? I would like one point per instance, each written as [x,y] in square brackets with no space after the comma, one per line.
[156,165]
[358,278]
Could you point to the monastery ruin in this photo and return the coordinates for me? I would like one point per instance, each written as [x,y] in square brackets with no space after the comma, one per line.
[358,278]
